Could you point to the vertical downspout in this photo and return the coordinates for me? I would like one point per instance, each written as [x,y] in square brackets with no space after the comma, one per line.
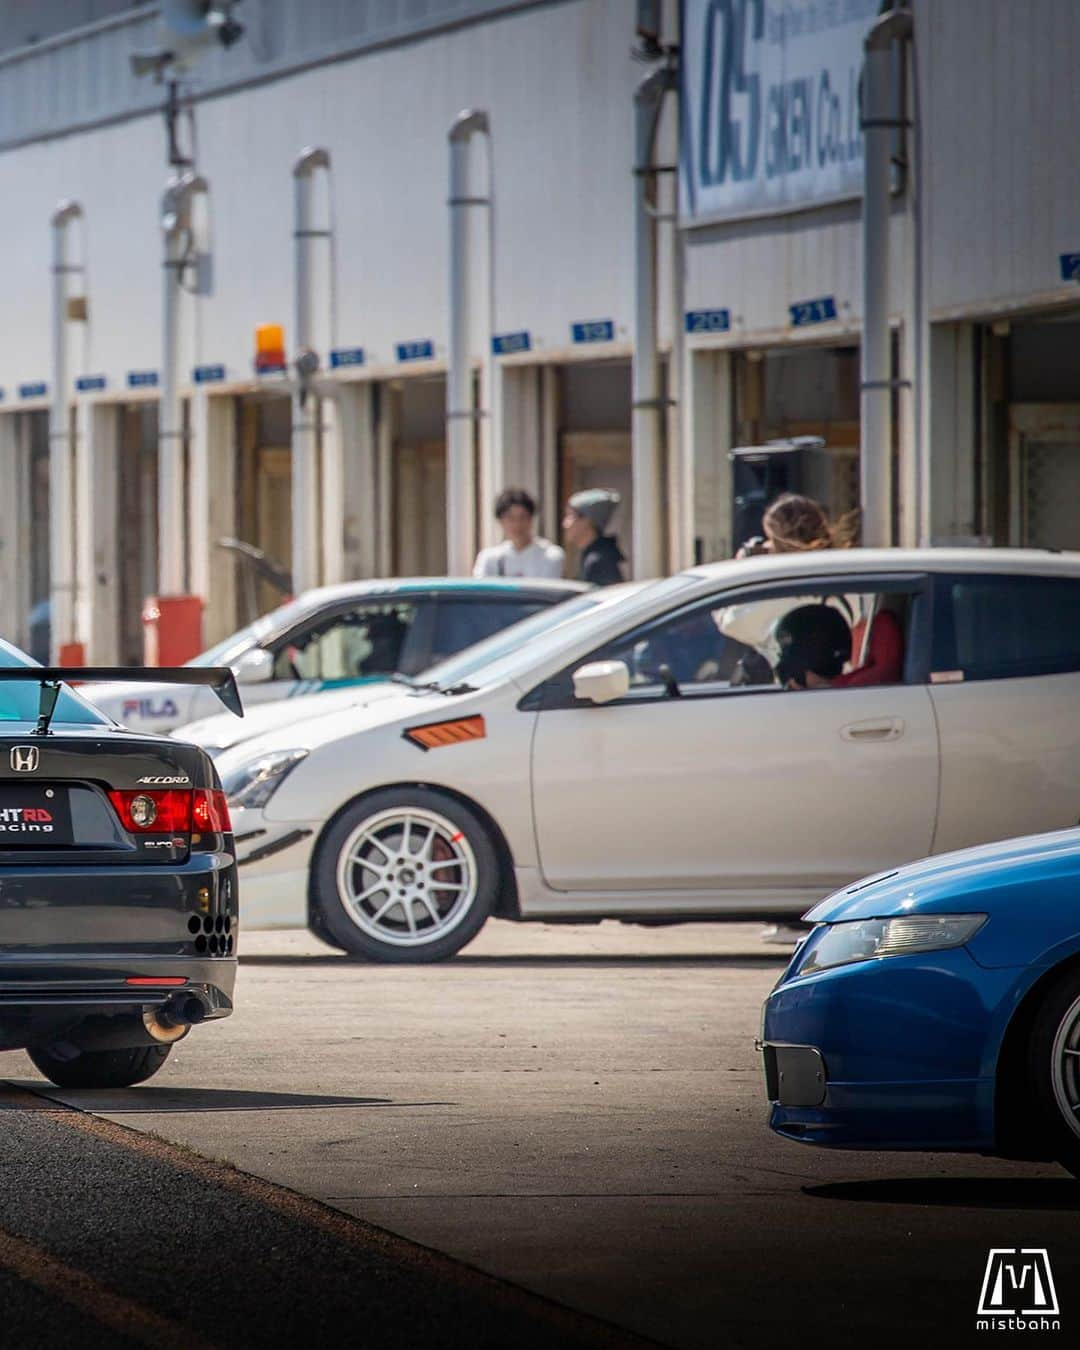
[460,413]
[176,229]
[305,405]
[648,407]
[879,121]
[61,473]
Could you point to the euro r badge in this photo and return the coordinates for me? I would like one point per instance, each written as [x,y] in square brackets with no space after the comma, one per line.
[1018,1283]
[24,758]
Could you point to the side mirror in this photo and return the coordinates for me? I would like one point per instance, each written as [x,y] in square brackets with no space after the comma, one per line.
[256,666]
[602,681]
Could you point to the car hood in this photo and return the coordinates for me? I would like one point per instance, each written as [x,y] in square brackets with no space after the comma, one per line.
[1038,870]
[223,731]
[311,733]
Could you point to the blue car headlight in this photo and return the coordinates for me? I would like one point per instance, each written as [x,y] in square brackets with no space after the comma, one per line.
[841,944]
[253,783]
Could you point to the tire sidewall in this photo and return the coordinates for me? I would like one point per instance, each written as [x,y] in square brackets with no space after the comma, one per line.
[1063,1142]
[329,917]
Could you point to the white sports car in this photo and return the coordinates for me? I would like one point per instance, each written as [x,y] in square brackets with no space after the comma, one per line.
[736,740]
[351,634]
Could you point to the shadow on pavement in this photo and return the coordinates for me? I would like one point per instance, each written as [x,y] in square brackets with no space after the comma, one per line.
[1014,1193]
[148,1100]
[745,961]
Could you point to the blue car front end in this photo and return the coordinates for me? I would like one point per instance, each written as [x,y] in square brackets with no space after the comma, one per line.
[902,1019]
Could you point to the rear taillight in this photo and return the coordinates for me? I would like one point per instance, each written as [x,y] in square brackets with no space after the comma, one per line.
[210,812]
[158,812]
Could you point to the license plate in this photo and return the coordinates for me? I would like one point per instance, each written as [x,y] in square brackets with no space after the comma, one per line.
[34,816]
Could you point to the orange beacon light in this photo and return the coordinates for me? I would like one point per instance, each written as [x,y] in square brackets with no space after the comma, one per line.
[269,347]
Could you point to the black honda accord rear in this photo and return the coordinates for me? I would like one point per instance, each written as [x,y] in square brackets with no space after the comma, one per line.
[118,897]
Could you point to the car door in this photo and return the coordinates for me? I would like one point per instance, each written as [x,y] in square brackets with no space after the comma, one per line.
[1005,684]
[735,789]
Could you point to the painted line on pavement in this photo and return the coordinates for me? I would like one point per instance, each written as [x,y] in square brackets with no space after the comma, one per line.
[569,1326]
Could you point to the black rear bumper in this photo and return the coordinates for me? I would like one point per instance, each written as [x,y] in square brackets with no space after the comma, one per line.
[73,941]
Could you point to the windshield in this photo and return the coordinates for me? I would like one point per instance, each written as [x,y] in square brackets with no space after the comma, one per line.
[230,649]
[19,701]
[517,648]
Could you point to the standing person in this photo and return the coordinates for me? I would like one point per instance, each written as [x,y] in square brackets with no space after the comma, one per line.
[522,553]
[584,522]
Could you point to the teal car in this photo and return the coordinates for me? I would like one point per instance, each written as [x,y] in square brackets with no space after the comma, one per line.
[337,637]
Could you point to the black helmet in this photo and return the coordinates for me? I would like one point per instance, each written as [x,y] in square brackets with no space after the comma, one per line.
[815,638]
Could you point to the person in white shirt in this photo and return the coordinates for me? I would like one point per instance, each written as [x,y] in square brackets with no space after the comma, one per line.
[522,553]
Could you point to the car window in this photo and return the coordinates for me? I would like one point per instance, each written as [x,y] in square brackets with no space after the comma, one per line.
[819,638]
[369,640]
[230,649]
[994,627]
[461,623]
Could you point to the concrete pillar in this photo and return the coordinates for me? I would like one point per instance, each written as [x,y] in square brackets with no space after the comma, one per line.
[385,425]
[15,529]
[708,397]
[97,433]
[350,473]
[550,506]
[212,492]
[953,430]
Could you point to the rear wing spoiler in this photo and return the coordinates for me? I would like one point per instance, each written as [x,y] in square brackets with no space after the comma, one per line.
[218,678]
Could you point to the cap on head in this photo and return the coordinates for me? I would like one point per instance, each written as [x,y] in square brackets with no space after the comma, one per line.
[597,505]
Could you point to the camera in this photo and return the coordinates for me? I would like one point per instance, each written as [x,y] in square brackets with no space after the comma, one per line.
[754,545]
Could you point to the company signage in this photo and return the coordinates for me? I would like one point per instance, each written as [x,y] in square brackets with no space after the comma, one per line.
[142,379]
[208,374]
[38,390]
[1070,266]
[89,384]
[771,105]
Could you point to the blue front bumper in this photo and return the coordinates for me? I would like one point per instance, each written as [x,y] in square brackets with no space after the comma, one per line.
[907,1045]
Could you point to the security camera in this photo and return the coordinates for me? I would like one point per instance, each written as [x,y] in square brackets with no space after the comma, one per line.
[229,31]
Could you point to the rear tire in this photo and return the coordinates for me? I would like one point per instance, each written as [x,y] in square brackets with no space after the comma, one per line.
[1054,1071]
[101,1068]
[404,876]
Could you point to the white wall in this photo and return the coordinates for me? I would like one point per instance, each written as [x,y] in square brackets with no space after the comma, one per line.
[558,81]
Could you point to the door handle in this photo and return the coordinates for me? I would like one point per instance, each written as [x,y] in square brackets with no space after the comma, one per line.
[881,729]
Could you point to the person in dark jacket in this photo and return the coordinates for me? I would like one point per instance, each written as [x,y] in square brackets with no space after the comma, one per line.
[584,524]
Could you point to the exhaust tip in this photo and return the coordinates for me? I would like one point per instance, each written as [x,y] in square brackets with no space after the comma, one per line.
[175,1019]
[162,1030]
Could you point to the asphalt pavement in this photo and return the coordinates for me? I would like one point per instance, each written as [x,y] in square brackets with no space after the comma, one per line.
[559,1119]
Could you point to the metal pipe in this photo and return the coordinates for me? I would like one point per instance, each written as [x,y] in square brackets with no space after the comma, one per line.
[648,408]
[61,472]
[461,416]
[176,229]
[879,121]
[305,406]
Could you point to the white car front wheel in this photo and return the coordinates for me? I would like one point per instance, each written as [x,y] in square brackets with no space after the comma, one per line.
[404,875]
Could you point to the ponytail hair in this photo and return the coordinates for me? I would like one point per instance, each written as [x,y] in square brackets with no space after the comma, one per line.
[800,524]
